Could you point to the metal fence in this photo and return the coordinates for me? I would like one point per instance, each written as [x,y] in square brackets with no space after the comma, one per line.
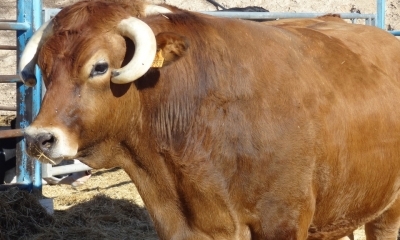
[370,19]
[28,19]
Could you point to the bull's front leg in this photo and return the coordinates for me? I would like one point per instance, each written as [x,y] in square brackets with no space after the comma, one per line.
[285,218]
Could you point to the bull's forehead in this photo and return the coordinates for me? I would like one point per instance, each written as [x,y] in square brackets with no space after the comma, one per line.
[79,30]
[76,52]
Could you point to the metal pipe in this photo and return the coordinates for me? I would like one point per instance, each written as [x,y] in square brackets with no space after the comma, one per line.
[9,79]
[37,8]
[46,170]
[7,108]
[366,16]
[279,15]
[380,14]
[12,133]
[49,12]
[396,33]
[20,26]
[8,47]
[28,99]
[66,169]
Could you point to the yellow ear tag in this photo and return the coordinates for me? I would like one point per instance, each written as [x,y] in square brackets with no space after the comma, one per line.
[158,60]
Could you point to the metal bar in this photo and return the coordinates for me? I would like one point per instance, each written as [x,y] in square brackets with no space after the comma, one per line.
[67,169]
[12,133]
[37,90]
[28,169]
[46,170]
[49,13]
[22,164]
[368,21]
[9,79]
[396,33]
[380,13]
[50,171]
[279,15]
[8,47]
[356,16]
[7,108]
[19,26]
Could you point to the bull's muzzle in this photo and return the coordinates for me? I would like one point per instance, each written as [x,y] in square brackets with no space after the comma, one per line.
[50,145]
[40,145]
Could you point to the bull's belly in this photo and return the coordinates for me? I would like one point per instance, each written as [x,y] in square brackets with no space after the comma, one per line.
[334,219]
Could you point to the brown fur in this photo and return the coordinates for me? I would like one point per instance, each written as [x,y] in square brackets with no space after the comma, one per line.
[285,130]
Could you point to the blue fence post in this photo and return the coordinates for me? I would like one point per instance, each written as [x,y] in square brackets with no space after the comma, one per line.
[380,13]
[28,99]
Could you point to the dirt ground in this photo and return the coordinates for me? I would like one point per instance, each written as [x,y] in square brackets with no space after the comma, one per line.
[77,210]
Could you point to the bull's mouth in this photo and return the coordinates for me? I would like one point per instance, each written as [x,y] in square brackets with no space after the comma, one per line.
[35,152]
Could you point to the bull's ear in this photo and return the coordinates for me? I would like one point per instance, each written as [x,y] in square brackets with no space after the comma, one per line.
[170,47]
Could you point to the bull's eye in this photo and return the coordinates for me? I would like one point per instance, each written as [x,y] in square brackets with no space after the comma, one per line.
[99,68]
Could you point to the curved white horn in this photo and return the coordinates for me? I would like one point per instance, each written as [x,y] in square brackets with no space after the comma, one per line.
[154,10]
[29,55]
[145,50]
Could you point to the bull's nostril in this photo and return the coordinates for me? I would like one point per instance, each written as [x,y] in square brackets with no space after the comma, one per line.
[48,143]
[45,141]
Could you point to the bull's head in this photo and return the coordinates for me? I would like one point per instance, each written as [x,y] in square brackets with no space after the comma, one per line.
[132,28]
[77,64]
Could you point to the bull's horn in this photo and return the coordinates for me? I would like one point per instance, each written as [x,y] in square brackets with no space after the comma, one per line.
[154,10]
[29,55]
[145,50]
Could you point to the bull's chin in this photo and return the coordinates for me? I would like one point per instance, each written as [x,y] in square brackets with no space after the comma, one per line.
[47,158]
[95,161]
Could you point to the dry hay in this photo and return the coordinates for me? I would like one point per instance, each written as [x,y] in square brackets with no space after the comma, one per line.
[100,209]
[21,215]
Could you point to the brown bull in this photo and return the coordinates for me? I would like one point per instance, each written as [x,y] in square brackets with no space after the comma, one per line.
[244,130]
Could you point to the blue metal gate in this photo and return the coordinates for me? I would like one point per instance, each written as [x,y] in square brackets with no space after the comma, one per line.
[28,99]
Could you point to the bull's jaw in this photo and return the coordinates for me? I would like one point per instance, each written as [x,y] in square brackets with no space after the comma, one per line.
[49,145]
